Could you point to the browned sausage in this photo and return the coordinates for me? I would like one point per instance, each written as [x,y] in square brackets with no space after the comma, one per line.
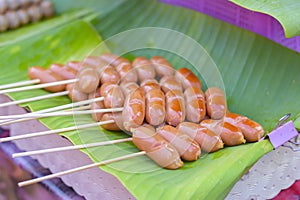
[215,103]
[155,107]
[128,87]
[230,134]
[96,105]
[144,68]
[74,94]
[194,104]
[46,76]
[187,78]
[117,117]
[169,83]
[64,71]
[175,107]
[88,80]
[113,95]
[251,130]
[208,140]
[76,65]
[94,61]
[156,147]
[112,59]
[187,148]
[162,66]
[134,109]
[149,84]
[109,74]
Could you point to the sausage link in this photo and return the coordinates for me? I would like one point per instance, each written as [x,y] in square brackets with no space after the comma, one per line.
[46,76]
[117,117]
[109,75]
[187,148]
[96,105]
[162,66]
[149,84]
[208,140]
[74,94]
[64,71]
[127,72]
[155,107]
[169,83]
[128,87]
[251,130]
[187,78]
[88,80]
[95,62]
[194,104]
[134,109]
[175,107]
[230,134]
[113,95]
[215,103]
[113,59]
[75,65]
[157,148]
[144,68]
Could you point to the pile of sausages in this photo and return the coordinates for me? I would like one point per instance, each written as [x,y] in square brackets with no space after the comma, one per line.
[165,110]
[17,13]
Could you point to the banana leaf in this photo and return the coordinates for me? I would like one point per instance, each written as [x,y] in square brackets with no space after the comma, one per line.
[260,79]
[287,12]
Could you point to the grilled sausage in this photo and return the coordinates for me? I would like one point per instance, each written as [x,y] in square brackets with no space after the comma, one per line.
[215,103]
[144,68]
[109,74]
[155,107]
[194,104]
[23,16]
[230,134]
[134,109]
[88,80]
[251,130]
[47,8]
[187,78]
[96,105]
[128,87]
[112,59]
[4,24]
[46,76]
[117,117]
[74,94]
[113,95]
[13,20]
[94,61]
[207,139]
[187,148]
[64,71]
[169,83]
[175,107]
[156,147]
[162,66]
[149,84]
[75,65]
[35,13]
[3,6]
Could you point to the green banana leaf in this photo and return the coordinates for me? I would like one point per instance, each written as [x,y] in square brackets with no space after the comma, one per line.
[260,79]
[287,12]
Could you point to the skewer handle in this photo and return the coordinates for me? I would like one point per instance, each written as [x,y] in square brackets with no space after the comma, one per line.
[17,84]
[60,149]
[36,180]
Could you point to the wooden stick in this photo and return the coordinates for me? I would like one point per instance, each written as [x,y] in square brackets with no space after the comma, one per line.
[55,114]
[31,87]
[77,169]
[42,133]
[26,116]
[17,84]
[47,96]
[68,148]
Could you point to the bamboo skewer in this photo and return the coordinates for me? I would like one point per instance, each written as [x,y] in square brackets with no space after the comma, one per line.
[67,148]
[55,114]
[47,96]
[42,133]
[17,84]
[36,180]
[31,87]
[57,108]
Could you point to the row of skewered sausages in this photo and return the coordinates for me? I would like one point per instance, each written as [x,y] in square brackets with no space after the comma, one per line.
[165,110]
[17,13]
